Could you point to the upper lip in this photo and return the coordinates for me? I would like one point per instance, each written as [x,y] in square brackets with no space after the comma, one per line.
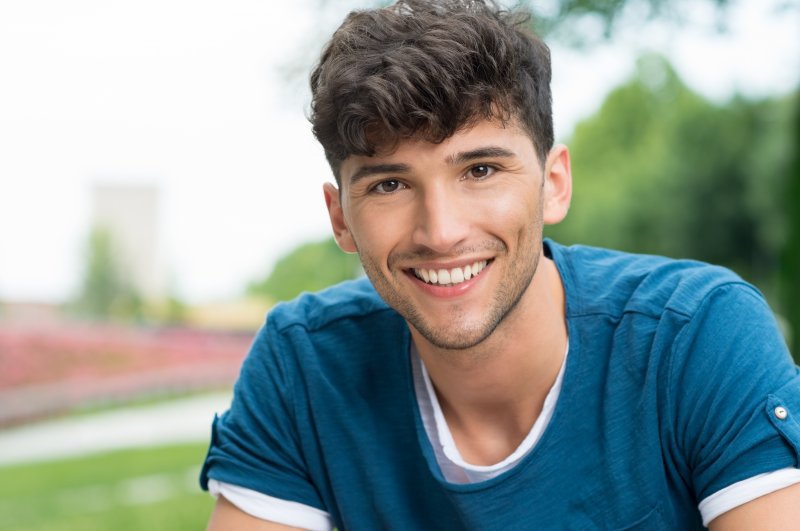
[449,265]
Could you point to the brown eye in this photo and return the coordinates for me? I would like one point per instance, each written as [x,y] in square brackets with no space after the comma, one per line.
[481,171]
[387,187]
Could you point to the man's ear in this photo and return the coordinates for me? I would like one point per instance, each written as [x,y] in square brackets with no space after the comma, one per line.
[557,185]
[341,232]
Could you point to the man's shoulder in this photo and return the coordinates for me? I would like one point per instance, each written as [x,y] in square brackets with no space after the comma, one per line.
[614,282]
[343,302]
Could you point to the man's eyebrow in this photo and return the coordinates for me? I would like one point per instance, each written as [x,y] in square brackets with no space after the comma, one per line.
[480,153]
[368,170]
[376,169]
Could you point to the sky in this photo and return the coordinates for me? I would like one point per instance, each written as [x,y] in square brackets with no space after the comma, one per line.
[193,96]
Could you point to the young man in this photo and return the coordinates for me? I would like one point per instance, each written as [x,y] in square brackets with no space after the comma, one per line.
[482,377]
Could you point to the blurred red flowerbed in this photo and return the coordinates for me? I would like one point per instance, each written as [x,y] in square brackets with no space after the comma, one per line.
[55,368]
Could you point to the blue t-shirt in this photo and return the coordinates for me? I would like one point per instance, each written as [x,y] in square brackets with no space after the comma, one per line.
[675,373]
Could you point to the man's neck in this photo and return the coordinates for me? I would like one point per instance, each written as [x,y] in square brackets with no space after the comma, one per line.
[492,394]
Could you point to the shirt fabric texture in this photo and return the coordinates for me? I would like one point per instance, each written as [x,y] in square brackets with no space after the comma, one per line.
[678,385]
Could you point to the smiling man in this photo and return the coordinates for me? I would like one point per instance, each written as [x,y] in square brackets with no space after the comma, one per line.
[482,377]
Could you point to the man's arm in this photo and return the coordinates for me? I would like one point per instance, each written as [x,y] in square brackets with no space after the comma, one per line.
[227,516]
[778,510]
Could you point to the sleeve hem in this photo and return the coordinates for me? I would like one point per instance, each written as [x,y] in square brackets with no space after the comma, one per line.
[272,509]
[745,491]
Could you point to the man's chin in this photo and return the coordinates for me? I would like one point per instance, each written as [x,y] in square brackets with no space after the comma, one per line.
[453,339]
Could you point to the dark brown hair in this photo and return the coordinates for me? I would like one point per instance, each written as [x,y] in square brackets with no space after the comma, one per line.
[426,69]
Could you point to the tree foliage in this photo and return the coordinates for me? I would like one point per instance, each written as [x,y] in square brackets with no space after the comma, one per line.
[106,291]
[309,267]
[568,20]
[790,263]
[658,169]
[576,22]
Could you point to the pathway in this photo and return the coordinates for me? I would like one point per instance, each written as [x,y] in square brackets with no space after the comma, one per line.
[173,422]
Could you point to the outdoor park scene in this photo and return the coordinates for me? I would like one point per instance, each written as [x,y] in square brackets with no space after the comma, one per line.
[160,194]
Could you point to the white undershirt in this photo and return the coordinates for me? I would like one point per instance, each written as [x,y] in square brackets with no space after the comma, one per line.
[456,470]
[453,466]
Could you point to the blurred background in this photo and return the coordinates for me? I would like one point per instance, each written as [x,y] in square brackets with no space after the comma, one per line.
[160,189]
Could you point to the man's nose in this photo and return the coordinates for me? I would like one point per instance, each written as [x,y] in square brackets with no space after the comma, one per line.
[442,219]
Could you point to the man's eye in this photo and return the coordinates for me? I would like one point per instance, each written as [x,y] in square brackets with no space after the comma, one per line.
[481,171]
[387,187]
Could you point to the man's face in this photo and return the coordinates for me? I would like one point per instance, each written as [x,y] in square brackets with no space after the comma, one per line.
[450,234]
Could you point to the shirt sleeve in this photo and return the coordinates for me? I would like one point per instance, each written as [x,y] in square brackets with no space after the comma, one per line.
[272,509]
[735,392]
[255,444]
[746,491]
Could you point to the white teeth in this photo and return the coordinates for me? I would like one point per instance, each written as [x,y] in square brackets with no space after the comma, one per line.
[445,277]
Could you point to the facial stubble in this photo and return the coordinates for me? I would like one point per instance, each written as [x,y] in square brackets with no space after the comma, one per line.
[510,291]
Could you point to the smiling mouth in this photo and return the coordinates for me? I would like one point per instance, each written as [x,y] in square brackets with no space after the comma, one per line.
[450,277]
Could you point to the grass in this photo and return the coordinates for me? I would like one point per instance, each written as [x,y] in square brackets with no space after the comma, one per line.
[150,488]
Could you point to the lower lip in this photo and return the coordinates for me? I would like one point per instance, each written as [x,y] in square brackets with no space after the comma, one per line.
[447,292]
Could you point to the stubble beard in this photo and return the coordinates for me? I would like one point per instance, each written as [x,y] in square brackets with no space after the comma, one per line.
[461,336]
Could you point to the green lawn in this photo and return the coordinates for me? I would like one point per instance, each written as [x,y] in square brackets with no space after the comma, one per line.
[151,488]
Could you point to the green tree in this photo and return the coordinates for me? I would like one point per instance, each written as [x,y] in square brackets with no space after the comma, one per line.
[658,169]
[105,290]
[790,264]
[309,267]
[564,18]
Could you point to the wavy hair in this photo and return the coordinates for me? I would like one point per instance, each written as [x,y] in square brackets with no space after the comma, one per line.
[427,68]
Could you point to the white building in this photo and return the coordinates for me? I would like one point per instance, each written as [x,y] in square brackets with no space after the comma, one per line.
[129,212]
